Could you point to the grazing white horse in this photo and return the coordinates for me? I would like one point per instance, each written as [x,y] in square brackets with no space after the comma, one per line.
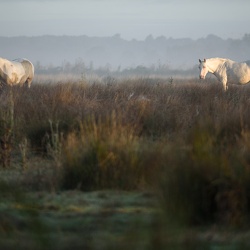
[226,71]
[17,72]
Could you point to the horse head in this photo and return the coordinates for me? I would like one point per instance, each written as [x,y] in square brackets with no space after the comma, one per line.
[203,68]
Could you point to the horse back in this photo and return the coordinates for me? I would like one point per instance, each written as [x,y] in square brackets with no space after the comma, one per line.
[240,72]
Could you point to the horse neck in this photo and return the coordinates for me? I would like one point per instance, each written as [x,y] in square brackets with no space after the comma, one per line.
[214,64]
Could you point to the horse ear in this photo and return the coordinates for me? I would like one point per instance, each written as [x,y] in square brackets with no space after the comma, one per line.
[204,60]
[200,60]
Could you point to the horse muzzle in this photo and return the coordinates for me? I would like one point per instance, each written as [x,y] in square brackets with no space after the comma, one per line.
[202,77]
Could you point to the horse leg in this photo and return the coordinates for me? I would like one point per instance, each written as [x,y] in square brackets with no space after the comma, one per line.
[225,86]
[28,82]
[224,82]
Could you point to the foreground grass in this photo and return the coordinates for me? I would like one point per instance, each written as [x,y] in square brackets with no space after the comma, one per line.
[177,150]
[74,219]
[104,220]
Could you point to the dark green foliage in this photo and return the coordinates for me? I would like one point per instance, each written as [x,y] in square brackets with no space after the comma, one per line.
[207,181]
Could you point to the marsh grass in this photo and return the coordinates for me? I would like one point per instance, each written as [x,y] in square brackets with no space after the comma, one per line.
[186,141]
[6,127]
[104,154]
[208,180]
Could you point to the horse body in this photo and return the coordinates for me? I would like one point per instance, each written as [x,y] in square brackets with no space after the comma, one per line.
[226,70]
[17,72]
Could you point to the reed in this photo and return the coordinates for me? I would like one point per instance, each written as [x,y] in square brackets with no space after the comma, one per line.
[104,153]
[6,127]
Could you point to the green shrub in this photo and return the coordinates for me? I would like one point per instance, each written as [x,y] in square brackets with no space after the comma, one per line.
[105,153]
[207,180]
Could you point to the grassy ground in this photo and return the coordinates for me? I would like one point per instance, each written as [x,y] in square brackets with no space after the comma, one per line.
[142,163]
[104,220]
[73,219]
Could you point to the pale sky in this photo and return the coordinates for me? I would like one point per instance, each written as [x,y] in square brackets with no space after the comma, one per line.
[130,18]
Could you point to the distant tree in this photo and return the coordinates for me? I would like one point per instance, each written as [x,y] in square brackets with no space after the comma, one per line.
[79,66]
[66,66]
[149,38]
[117,36]
[246,37]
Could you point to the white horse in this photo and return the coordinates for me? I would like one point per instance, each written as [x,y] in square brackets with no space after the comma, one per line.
[17,72]
[226,71]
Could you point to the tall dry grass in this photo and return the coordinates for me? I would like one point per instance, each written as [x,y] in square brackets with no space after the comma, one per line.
[188,140]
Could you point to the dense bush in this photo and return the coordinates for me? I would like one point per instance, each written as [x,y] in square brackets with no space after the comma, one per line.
[207,181]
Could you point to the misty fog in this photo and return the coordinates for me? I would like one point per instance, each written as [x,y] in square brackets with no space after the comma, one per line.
[117,53]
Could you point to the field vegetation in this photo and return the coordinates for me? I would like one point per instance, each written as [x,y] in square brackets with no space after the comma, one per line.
[141,163]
